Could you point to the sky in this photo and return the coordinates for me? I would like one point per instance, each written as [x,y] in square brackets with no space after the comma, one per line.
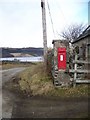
[21,20]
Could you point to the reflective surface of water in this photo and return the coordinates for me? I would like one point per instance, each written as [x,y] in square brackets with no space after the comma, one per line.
[23,59]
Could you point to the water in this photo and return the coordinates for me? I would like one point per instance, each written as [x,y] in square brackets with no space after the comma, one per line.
[23,59]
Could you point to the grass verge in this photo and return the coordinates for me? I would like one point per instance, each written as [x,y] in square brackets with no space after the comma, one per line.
[35,81]
[14,64]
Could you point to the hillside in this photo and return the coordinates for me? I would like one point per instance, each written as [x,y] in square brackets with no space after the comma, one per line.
[21,52]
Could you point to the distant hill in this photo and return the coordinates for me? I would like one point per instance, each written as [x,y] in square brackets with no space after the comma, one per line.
[18,52]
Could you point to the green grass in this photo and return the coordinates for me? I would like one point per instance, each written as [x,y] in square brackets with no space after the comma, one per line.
[35,80]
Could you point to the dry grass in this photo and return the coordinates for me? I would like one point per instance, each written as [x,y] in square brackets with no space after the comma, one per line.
[12,64]
[35,80]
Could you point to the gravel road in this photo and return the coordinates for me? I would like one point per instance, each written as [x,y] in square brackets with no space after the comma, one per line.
[7,102]
[40,107]
[7,74]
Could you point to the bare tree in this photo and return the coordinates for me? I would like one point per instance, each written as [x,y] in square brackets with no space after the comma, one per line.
[72,32]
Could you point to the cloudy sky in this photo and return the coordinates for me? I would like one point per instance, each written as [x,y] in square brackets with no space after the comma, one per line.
[21,20]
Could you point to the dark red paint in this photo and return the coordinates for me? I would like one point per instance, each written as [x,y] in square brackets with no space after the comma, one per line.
[62,58]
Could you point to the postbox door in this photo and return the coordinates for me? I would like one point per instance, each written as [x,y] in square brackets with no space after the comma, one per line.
[62,58]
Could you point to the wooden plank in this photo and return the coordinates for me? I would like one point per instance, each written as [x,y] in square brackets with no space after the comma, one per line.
[75,73]
[79,71]
[80,61]
[82,81]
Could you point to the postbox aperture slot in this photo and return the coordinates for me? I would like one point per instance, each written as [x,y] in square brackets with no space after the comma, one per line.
[61,57]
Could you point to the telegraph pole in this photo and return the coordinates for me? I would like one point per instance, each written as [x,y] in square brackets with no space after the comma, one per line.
[44,31]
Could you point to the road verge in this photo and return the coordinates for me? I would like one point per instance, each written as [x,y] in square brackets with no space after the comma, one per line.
[34,81]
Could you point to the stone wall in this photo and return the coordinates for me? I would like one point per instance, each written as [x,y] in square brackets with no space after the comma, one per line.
[60,76]
[56,45]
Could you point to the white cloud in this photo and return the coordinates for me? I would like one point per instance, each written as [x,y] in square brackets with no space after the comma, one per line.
[21,20]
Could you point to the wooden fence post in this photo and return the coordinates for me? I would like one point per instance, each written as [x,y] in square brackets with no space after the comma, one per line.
[75,73]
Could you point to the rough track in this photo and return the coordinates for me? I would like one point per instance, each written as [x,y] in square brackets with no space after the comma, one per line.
[40,107]
[7,97]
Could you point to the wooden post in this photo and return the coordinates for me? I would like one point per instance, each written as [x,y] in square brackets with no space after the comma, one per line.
[75,73]
[44,31]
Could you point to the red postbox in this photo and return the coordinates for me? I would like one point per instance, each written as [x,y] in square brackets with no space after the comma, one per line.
[62,58]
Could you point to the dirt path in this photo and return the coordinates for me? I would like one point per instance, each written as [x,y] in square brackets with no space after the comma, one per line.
[37,107]
[7,96]
[7,74]
[41,107]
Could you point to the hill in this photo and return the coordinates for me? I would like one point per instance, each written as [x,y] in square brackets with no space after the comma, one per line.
[21,52]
